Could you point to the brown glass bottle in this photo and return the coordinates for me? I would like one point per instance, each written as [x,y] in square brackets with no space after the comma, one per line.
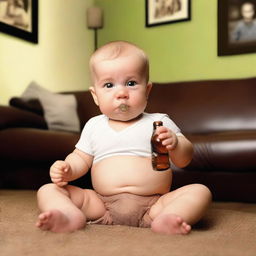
[160,157]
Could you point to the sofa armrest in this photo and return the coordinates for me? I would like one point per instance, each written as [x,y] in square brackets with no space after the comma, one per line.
[14,117]
[36,145]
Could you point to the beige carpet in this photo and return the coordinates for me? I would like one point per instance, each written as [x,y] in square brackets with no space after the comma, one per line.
[227,229]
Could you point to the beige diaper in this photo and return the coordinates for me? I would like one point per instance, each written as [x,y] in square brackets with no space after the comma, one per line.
[127,209]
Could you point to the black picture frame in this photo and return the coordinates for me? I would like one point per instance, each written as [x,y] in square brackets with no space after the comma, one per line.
[12,23]
[231,38]
[164,12]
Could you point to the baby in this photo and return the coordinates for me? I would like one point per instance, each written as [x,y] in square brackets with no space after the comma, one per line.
[116,147]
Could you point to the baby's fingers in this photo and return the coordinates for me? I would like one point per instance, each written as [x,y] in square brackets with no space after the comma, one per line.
[61,165]
[62,183]
[56,175]
[161,129]
[170,143]
[59,181]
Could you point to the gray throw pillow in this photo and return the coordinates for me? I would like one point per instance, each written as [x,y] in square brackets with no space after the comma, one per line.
[60,111]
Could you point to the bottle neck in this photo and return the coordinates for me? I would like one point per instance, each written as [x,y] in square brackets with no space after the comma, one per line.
[157,124]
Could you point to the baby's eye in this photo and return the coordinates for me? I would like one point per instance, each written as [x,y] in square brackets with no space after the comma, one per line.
[108,85]
[131,83]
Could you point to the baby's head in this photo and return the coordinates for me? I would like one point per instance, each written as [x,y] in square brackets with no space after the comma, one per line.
[247,11]
[120,74]
[120,50]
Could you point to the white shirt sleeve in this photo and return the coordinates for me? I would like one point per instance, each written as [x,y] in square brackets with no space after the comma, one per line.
[167,122]
[84,143]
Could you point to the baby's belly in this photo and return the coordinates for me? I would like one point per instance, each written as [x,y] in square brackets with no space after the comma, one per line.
[129,174]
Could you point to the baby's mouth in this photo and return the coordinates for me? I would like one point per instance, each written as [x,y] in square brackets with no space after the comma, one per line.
[123,107]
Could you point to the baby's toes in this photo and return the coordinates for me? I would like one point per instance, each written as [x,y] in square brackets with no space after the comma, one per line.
[44,217]
[185,228]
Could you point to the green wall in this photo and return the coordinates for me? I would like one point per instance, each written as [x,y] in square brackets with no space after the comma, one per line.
[59,62]
[179,51]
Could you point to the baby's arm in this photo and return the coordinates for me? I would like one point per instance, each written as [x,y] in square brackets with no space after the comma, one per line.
[74,166]
[179,147]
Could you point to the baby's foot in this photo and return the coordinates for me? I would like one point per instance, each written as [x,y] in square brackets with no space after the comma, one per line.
[55,221]
[170,224]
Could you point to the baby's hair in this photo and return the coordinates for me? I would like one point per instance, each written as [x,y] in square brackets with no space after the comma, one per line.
[115,49]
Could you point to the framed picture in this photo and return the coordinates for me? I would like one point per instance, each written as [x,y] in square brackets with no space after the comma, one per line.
[20,18]
[159,12]
[236,27]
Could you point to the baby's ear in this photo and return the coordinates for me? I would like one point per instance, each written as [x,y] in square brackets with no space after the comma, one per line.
[93,93]
[149,87]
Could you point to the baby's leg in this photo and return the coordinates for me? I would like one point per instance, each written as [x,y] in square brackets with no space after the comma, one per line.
[65,209]
[176,211]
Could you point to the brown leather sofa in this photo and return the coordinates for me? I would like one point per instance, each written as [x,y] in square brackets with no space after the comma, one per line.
[219,117]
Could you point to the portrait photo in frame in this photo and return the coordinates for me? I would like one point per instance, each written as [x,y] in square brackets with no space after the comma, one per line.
[19,18]
[160,12]
[236,27]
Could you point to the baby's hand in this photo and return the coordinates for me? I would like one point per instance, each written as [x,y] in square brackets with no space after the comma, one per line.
[59,172]
[168,137]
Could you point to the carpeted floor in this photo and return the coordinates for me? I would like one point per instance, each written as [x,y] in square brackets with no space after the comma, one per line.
[227,229]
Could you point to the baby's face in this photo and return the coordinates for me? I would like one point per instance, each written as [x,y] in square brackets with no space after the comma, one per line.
[247,11]
[120,87]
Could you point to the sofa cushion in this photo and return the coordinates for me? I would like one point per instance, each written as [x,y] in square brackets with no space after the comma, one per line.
[32,105]
[86,108]
[60,111]
[202,107]
[225,152]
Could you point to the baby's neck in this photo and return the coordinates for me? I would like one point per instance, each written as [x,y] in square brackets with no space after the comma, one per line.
[119,125]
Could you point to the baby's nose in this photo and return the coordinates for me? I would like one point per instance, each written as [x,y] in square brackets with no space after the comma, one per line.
[122,93]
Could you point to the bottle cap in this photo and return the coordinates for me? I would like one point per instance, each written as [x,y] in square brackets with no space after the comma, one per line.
[157,123]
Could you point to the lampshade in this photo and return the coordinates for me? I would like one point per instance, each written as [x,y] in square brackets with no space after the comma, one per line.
[94,17]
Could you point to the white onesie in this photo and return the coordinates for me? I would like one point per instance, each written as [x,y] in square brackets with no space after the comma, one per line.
[101,141]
